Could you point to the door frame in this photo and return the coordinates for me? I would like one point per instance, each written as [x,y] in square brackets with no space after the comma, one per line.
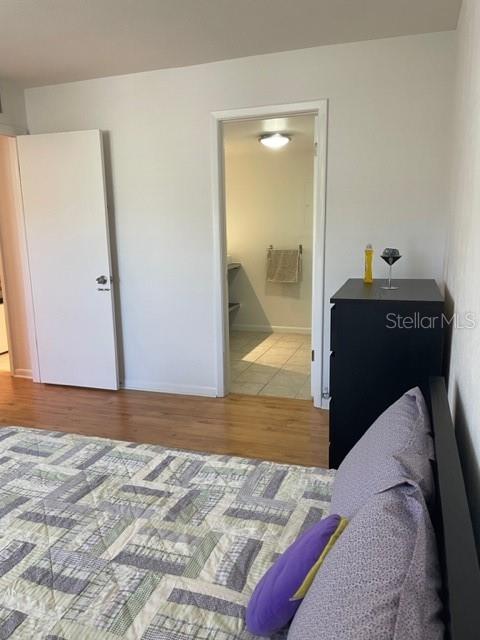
[318,108]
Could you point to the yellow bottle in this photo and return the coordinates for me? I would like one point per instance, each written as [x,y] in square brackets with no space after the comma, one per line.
[368,277]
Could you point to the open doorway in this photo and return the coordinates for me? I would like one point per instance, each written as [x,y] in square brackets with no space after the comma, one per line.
[269,166]
[271,223]
[15,331]
[4,348]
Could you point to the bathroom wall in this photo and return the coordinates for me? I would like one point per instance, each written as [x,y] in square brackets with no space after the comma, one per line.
[269,200]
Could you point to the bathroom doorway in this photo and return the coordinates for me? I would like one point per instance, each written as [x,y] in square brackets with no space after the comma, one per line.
[272,216]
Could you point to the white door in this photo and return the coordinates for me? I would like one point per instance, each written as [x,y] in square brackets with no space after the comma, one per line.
[66,223]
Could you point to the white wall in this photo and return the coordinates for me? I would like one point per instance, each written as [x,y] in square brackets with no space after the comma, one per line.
[13,118]
[463,263]
[269,200]
[388,149]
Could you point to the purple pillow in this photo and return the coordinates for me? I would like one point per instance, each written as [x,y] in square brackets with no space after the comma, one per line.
[271,607]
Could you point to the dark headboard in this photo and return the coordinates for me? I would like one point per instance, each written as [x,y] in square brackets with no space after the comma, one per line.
[453,524]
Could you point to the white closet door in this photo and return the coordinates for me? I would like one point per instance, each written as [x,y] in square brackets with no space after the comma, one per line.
[66,222]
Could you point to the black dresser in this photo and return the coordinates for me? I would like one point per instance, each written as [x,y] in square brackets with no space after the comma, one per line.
[382,344]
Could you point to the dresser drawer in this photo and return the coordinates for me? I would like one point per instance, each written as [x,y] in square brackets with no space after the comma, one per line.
[333,328]
[333,373]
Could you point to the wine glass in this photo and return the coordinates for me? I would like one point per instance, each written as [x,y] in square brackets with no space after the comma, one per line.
[390,256]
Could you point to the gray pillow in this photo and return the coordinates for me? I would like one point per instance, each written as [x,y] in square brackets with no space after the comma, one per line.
[381,579]
[396,449]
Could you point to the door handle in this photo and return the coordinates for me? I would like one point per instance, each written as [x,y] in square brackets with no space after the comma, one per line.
[102,280]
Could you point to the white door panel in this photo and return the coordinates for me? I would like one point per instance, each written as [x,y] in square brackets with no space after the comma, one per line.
[66,224]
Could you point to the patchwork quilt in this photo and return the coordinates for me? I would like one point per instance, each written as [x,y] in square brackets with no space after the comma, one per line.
[101,539]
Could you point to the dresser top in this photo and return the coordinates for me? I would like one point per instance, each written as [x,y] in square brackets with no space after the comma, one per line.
[411,290]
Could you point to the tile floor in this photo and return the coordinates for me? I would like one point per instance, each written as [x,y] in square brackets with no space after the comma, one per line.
[270,364]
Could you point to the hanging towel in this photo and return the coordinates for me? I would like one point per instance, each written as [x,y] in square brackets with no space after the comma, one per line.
[283,265]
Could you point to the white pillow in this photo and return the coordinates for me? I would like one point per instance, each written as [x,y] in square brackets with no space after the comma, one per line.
[396,449]
[381,579]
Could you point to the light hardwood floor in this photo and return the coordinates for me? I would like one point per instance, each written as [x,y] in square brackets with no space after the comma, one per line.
[278,429]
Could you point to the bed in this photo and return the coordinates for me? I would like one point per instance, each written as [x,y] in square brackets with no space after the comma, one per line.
[102,539]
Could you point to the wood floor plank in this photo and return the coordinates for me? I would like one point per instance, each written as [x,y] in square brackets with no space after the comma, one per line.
[278,429]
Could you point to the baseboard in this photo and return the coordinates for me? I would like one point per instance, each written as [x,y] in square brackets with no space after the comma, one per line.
[271,329]
[177,389]
[23,373]
[325,404]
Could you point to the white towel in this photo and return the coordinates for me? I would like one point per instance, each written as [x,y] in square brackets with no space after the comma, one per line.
[283,265]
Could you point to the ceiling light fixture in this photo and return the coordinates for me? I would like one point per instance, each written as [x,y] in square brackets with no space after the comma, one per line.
[274,140]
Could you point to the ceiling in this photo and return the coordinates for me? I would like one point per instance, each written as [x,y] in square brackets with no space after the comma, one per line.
[52,41]
[242,136]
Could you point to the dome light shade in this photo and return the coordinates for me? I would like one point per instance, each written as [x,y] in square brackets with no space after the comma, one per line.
[274,140]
